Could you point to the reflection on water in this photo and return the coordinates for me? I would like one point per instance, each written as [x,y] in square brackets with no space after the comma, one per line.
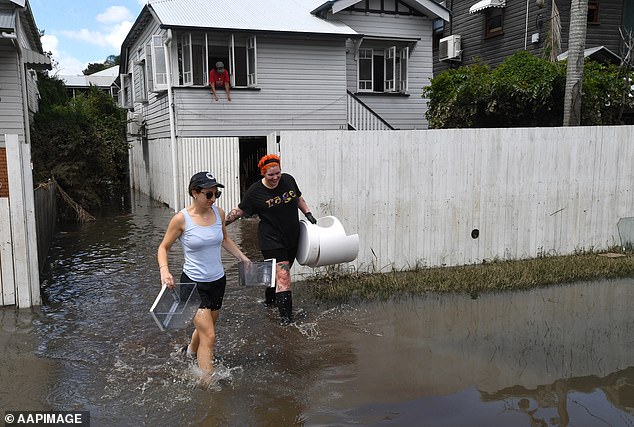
[557,356]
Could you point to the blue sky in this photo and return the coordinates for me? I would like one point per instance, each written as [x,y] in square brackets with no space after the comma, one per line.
[79,32]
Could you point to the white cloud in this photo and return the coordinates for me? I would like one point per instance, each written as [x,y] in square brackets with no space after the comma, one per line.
[106,36]
[117,24]
[114,14]
[65,63]
[49,43]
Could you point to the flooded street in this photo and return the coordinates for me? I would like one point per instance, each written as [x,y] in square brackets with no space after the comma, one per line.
[561,356]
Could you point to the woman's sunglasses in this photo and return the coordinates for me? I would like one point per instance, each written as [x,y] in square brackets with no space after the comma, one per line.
[210,194]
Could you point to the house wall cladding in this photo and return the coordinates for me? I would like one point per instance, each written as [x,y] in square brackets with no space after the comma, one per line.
[400,112]
[152,172]
[11,108]
[528,191]
[494,50]
[299,88]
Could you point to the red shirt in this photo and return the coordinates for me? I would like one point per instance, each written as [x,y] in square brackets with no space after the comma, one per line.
[219,79]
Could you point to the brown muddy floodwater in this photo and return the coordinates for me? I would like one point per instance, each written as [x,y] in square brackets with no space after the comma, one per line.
[561,356]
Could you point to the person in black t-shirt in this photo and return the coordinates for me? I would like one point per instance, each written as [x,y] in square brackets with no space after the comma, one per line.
[275,199]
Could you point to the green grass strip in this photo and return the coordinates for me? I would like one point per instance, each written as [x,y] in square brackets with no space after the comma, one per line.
[472,279]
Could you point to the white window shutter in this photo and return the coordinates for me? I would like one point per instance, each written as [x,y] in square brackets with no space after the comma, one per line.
[186,59]
[125,94]
[404,69]
[232,61]
[390,69]
[159,68]
[148,67]
[251,62]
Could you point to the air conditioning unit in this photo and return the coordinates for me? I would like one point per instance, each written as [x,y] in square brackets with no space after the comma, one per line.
[450,48]
[135,122]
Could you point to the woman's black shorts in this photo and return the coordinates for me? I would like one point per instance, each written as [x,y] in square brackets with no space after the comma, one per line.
[281,254]
[211,293]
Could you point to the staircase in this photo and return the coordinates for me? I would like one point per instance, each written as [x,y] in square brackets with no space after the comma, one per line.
[362,117]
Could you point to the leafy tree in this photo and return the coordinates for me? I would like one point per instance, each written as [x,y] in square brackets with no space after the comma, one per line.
[81,143]
[523,91]
[459,97]
[95,67]
[52,91]
[527,92]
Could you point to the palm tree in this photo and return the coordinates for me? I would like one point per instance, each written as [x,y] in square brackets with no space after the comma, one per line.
[552,46]
[574,71]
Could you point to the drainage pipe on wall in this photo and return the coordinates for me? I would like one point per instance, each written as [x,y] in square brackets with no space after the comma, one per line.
[526,30]
[170,101]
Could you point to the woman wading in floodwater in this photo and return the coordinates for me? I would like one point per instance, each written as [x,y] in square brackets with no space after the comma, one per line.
[201,230]
[275,199]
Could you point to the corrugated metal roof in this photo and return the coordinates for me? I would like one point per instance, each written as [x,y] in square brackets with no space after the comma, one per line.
[36,60]
[256,15]
[86,81]
[103,78]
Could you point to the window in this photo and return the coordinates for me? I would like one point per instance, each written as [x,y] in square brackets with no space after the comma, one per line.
[251,55]
[402,70]
[198,54]
[184,52]
[139,80]
[494,22]
[383,70]
[390,68]
[365,70]
[593,11]
[125,94]
[159,70]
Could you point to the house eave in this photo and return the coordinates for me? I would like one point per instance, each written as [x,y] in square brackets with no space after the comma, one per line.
[428,8]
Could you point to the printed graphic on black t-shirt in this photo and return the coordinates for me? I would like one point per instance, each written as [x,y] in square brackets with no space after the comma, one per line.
[277,209]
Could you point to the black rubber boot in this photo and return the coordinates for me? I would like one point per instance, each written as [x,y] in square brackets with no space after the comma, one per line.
[284,302]
[269,297]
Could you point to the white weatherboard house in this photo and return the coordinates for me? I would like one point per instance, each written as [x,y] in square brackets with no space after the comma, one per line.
[20,55]
[294,65]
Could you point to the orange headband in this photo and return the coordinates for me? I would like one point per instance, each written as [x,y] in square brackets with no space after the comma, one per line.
[268,161]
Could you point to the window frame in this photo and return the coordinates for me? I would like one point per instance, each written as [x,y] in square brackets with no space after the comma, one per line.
[185,59]
[159,67]
[490,15]
[245,61]
[403,82]
[594,12]
[139,77]
[395,68]
[252,76]
[126,93]
[389,64]
[371,59]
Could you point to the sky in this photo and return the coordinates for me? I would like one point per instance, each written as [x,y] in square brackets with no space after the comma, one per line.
[79,32]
